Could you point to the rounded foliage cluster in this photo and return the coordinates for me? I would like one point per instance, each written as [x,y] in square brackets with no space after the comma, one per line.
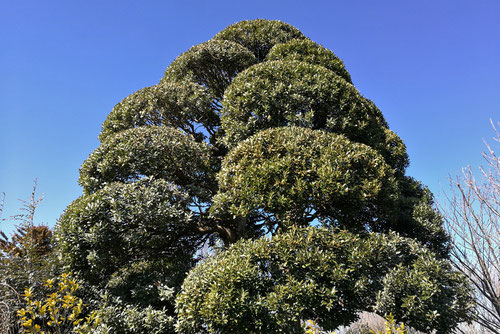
[174,104]
[292,176]
[259,36]
[123,224]
[154,151]
[281,93]
[307,51]
[270,285]
[212,64]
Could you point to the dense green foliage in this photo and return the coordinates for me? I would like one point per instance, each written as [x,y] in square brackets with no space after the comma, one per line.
[155,151]
[270,285]
[307,51]
[292,176]
[177,104]
[212,64]
[256,155]
[259,36]
[122,225]
[284,93]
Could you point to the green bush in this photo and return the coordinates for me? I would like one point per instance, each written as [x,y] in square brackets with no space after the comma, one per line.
[292,176]
[272,285]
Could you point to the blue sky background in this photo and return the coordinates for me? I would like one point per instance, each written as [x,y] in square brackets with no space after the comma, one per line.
[432,67]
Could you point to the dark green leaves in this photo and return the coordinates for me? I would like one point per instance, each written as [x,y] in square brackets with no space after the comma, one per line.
[281,93]
[259,36]
[122,224]
[212,64]
[294,144]
[270,285]
[158,151]
[427,295]
[307,51]
[295,175]
[183,105]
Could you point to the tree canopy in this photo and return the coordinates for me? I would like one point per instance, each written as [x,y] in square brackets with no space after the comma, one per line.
[257,185]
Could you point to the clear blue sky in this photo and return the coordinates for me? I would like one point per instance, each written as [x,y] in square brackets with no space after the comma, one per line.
[432,67]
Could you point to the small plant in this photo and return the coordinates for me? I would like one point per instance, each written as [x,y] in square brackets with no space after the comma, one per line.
[60,312]
[312,327]
[391,327]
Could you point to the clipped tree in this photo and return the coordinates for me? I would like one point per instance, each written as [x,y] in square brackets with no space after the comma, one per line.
[257,146]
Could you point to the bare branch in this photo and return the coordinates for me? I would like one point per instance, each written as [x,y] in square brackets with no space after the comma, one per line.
[472,212]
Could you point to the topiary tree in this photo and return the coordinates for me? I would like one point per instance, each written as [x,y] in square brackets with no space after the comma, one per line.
[256,147]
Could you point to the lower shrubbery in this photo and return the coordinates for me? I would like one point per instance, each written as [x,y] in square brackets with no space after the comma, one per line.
[61,311]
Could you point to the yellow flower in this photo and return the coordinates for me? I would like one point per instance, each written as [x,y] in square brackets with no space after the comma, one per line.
[27,293]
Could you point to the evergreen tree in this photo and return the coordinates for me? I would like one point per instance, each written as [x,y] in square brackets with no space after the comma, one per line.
[257,146]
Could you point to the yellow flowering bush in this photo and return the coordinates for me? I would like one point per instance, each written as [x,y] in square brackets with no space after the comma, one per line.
[391,327]
[311,327]
[60,312]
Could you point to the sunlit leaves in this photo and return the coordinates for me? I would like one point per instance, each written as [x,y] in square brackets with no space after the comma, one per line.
[212,64]
[125,223]
[295,175]
[285,93]
[60,312]
[184,105]
[270,285]
[294,145]
[307,51]
[259,36]
[157,151]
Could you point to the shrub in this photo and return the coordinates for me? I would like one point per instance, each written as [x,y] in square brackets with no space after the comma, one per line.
[60,312]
